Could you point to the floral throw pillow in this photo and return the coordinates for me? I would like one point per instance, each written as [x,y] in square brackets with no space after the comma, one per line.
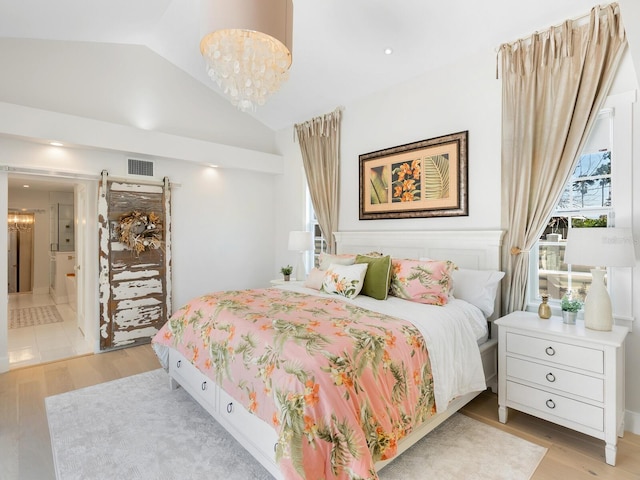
[422,281]
[345,280]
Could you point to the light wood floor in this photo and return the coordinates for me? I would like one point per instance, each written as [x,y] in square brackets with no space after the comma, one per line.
[25,448]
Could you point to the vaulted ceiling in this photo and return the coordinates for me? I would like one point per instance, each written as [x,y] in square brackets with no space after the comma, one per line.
[137,62]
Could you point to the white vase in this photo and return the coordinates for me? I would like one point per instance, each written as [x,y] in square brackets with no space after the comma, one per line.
[597,305]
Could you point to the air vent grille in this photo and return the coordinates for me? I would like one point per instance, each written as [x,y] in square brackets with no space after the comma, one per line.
[140,167]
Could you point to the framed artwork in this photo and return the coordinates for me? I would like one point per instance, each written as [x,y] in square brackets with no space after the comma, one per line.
[421,179]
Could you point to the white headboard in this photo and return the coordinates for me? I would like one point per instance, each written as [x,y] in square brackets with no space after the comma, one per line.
[477,249]
[474,249]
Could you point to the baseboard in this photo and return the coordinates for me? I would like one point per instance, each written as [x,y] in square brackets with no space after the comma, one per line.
[632,422]
[4,364]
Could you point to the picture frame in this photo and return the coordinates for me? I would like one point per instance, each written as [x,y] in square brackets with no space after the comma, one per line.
[427,178]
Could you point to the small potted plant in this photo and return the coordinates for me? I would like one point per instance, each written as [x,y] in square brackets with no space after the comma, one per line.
[286,271]
[570,308]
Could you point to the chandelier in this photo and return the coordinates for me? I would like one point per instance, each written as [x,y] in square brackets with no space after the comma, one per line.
[19,222]
[248,49]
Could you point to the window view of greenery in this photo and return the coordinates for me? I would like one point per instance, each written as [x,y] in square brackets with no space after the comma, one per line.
[585,203]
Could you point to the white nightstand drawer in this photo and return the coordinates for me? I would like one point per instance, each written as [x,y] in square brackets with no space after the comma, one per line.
[561,353]
[553,377]
[556,405]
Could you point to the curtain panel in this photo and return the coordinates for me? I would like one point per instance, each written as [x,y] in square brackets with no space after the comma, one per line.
[553,85]
[320,146]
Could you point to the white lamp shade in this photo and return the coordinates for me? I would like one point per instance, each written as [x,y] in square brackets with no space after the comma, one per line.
[600,247]
[300,241]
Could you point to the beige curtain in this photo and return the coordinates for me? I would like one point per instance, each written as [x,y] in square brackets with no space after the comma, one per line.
[553,85]
[320,146]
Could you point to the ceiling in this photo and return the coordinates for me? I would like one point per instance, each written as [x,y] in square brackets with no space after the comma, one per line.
[30,184]
[338,45]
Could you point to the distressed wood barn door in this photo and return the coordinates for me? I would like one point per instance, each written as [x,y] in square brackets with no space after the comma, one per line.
[135,261]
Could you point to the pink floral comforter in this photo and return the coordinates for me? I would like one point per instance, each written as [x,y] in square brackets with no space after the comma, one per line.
[340,384]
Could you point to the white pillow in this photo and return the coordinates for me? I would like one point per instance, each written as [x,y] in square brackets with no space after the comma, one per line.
[478,287]
[314,279]
[344,280]
[327,259]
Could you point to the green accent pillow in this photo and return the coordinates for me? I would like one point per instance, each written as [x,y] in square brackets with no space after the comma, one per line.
[378,277]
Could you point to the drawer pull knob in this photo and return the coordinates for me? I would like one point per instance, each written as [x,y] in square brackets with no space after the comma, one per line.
[229,407]
[551,377]
[550,351]
[178,363]
[550,403]
[204,386]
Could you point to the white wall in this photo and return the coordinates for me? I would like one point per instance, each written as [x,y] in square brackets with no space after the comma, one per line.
[223,220]
[462,96]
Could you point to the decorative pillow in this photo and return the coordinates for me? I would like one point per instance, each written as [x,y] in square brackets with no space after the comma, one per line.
[314,279]
[345,280]
[422,281]
[478,287]
[327,259]
[378,278]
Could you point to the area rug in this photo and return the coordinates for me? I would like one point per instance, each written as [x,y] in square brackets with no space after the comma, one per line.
[137,428]
[32,316]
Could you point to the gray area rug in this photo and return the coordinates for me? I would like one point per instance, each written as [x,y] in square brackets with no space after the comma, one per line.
[137,428]
[32,316]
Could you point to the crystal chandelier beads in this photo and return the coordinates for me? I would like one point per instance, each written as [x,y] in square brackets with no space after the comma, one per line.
[246,45]
[248,66]
[18,222]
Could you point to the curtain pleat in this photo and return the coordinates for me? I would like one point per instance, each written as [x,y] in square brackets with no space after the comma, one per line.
[320,146]
[553,85]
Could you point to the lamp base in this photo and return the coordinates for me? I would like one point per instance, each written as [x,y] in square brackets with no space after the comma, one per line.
[301,271]
[597,306]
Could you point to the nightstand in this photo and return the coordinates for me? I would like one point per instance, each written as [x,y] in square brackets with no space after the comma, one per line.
[281,281]
[566,374]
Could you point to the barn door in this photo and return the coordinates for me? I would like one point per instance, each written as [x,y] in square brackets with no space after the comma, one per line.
[135,261]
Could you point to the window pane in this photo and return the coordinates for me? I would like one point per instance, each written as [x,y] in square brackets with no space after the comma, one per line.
[590,184]
[555,277]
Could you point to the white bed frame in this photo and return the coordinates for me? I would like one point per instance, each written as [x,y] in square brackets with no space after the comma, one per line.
[474,249]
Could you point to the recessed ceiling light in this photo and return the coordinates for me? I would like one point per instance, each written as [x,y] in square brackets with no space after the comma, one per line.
[25,186]
[388,51]
[56,144]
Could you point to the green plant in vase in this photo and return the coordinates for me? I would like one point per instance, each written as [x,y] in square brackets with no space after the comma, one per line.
[570,308]
[286,272]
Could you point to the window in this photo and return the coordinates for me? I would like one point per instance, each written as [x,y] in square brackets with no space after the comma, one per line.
[587,201]
[319,243]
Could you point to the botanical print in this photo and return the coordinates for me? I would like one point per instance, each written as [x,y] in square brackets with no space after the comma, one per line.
[406,182]
[436,176]
[336,381]
[427,178]
[379,178]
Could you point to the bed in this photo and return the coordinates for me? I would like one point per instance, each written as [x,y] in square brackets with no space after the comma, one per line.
[315,385]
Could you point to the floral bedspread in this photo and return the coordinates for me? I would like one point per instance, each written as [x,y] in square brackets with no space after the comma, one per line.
[340,384]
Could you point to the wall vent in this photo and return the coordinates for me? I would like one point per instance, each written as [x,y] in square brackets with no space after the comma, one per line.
[140,167]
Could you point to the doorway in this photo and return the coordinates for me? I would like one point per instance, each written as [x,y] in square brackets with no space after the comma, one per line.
[20,254]
[32,340]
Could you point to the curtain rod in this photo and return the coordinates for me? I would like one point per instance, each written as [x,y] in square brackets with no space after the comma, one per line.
[581,18]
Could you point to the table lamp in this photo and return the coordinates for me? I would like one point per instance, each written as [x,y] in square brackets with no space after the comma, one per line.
[599,247]
[300,242]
